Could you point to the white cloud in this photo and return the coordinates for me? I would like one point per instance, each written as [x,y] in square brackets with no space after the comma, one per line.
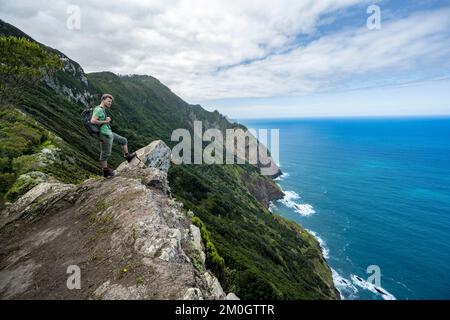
[323,63]
[417,98]
[197,47]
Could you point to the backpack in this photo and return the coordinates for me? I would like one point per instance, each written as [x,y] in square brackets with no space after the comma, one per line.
[86,116]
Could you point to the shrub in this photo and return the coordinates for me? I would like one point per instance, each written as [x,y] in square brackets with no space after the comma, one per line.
[24,184]
[214,261]
[6,180]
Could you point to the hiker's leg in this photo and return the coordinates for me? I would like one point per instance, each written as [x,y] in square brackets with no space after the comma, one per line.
[122,141]
[103,163]
[105,149]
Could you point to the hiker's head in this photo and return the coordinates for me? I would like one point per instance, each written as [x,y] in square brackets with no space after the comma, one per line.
[107,100]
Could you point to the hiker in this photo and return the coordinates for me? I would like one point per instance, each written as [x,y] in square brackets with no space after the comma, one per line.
[106,135]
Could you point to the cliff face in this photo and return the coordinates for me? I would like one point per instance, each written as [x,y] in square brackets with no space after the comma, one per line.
[255,254]
[261,189]
[127,235]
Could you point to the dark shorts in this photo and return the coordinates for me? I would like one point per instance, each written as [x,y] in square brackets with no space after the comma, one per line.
[106,144]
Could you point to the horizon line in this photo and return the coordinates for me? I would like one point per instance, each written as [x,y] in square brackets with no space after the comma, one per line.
[344,117]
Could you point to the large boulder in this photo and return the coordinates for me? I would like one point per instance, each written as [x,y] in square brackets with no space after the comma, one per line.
[45,194]
[156,155]
[126,235]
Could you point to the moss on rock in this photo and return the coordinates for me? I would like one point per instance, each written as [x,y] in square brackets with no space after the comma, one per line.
[25,183]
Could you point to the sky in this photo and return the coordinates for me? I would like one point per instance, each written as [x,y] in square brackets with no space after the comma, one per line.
[261,58]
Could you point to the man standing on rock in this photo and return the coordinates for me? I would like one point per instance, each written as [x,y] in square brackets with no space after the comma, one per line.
[107,137]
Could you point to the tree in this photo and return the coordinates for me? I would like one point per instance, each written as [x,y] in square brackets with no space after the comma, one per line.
[23,63]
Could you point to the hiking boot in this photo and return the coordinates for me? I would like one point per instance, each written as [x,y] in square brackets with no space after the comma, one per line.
[108,173]
[130,156]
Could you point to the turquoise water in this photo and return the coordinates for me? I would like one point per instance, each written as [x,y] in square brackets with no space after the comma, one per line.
[375,192]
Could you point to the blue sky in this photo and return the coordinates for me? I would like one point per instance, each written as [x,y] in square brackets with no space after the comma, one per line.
[421,87]
[265,58]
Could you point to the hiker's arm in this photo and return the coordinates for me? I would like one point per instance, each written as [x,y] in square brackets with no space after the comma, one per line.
[95,120]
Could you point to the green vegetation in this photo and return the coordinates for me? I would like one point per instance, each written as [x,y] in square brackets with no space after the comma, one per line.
[265,255]
[19,138]
[26,146]
[24,183]
[214,261]
[99,222]
[23,63]
[256,254]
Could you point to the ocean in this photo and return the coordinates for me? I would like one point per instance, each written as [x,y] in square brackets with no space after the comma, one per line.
[375,192]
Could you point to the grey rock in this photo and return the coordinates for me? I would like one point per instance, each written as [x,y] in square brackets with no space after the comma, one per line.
[129,237]
[150,177]
[232,296]
[17,281]
[215,290]
[157,155]
[197,243]
[108,291]
[36,200]
[193,294]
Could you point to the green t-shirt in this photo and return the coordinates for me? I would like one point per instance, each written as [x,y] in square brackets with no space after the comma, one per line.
[101,114]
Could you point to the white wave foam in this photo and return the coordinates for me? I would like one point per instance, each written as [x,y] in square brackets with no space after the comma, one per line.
[322,244]
[272,207]
[343,285]
[290,196]
[302,209]
[282,176]
[371,287]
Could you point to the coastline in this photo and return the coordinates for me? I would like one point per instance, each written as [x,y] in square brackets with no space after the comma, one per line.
[320,242]
[345,288]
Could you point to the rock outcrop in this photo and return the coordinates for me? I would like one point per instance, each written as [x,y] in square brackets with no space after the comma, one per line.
[126,235]
[262,188]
